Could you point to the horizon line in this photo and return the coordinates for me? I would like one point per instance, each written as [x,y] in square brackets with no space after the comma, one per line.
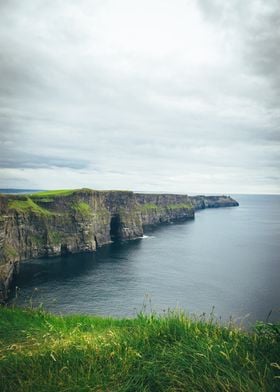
[139,191]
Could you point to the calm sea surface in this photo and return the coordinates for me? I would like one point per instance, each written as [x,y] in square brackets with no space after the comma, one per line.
[228,258]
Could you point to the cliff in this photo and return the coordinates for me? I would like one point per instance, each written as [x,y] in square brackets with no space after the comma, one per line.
[200,202]
[59,222]
[164,208]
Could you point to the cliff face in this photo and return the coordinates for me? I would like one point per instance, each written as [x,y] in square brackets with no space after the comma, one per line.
[59,222]
[200,202]
[162,208]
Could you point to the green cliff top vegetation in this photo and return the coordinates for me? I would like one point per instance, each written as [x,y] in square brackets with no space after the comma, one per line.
[43,352]
[55,193]
[152,206]
[26,204]
[69,192]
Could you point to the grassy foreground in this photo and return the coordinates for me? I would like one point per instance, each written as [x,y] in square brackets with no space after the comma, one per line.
[43,352]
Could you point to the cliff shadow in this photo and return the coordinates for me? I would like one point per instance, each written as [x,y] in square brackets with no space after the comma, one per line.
[115,227]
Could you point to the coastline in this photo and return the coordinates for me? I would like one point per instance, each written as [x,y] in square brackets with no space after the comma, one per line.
[53,223]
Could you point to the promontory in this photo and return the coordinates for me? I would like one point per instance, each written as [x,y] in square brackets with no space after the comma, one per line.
[54,223]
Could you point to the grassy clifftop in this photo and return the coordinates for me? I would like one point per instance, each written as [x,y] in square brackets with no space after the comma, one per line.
[42,352]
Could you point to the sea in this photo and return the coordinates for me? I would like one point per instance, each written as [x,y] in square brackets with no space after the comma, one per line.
[224,264]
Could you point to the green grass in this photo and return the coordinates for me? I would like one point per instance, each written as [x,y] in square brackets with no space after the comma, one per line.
[54,193]
[155,207]
[68,192]
[43,352]
[54,237]
[180,206]
[149,206]
[26,204]
[82,208]
[45,199]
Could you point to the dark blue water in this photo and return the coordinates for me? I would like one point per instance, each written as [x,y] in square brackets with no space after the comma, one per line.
[228,258]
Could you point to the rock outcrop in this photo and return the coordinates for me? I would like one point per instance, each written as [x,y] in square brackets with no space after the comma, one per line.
[200,202]
[60,222]
[164,208]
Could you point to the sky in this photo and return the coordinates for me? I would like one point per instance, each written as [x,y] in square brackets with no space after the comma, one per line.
[147,95]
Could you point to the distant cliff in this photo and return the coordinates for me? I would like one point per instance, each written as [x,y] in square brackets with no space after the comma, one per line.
[60,222]
[201,202]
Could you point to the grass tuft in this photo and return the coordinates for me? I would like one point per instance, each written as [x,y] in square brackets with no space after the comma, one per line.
[43,352]
[26,204]
[155,207]
[82,208]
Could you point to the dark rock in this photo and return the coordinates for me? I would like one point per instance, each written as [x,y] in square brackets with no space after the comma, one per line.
[200,202]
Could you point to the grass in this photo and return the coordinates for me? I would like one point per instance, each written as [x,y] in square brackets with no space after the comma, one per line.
[45,199]
[54,193]
[68,192]
[43,352]
[26,204]
[54,237]
[180,206]
[154,207]
[149,206]
[82,208]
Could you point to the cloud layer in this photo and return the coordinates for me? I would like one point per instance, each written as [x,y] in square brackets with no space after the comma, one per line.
[144,95]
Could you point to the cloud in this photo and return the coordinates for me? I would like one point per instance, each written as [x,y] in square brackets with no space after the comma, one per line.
[254,29]
[149,95]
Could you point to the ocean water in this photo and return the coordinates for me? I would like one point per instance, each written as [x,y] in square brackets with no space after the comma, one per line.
[227,258]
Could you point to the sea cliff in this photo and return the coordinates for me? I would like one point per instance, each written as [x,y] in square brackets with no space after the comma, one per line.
[60,222]
[200,202]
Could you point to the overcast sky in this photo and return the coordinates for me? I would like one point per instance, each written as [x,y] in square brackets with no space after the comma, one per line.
[151,95]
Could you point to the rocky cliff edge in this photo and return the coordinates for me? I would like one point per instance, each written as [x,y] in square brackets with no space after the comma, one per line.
[59,222]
